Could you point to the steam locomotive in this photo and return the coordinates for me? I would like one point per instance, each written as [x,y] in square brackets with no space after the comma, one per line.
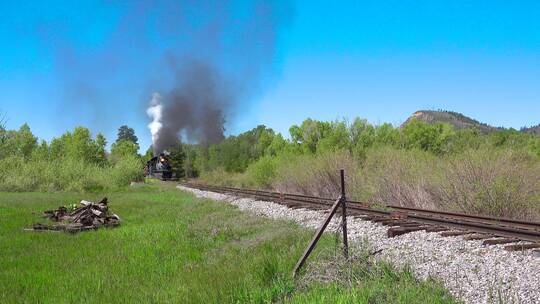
[159,167]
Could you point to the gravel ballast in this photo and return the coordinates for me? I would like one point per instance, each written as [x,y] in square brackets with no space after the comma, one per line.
[471,271]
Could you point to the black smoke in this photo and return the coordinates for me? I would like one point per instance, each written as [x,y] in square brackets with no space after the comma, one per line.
[207,60]
[219,73]
[196,106]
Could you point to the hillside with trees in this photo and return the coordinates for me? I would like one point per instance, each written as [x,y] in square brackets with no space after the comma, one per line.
[429,165]
[424,164]
[457,120]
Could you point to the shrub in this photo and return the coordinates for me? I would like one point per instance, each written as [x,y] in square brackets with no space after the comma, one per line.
[496,183]
[66,175]
[399,177]
[127,169]
[263,172]
[315,174]
[221,177]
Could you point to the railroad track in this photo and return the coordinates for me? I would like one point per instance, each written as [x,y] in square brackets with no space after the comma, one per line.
[515,234]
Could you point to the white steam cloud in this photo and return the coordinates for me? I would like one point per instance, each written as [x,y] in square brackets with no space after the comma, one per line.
[154,111]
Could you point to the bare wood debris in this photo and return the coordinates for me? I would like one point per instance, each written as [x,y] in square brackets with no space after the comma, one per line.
[88,216]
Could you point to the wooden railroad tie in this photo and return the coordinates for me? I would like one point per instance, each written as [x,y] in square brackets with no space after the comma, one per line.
[499,241]
[477,236]
[397,231]
[521,247]
[455,233]
[436,229]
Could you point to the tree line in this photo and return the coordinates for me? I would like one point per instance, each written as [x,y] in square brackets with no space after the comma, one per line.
[236,153]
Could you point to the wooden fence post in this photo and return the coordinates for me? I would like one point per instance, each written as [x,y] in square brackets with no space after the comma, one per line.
[340,202]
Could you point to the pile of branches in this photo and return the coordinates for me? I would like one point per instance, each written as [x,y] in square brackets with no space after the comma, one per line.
[88,216]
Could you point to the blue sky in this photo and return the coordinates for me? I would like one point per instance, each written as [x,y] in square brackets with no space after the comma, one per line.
[380,60]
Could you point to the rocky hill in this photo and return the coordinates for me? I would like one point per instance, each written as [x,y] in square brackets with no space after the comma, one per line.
[458,120]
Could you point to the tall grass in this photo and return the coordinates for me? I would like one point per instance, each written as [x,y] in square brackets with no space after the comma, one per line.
[18,175]
[400,177]
[498,183]
[492,182]
[315,174]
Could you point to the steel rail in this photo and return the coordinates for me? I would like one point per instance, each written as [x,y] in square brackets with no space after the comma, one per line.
[526,231]
[454,215]
[481,227]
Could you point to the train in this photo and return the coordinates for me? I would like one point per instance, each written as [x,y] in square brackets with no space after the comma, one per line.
[159,167]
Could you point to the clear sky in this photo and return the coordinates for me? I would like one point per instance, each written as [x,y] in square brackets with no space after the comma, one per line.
[380,60]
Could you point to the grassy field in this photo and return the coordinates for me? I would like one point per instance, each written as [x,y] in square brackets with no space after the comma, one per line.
[175,248]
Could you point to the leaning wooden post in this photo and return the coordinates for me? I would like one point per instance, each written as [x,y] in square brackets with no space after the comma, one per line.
[316,237]
[344,216]
[340,202]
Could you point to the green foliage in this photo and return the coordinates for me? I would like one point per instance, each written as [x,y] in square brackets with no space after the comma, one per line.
[101,144]
[262,172]
[235,153]
[309,133]
[258,157]
[78,145]
[73,162]
[127,133]
[21,142]
[123,149]
[148,154]
[337,138]
[25,141]
[177,158]
[66,174]
[125,171]
[428,137]
[534,145]
[417,165]
[190,161]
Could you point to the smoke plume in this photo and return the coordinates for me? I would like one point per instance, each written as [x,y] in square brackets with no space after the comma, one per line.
[213,79]
[155,112]
[205,60]
[195,106]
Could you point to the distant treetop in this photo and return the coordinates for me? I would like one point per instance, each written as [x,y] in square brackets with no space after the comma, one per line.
[127,133]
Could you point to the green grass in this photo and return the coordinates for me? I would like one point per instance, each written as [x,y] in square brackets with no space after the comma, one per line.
[173,248]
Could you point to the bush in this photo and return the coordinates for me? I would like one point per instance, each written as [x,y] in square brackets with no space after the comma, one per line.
[221,177]
[497,183]
[66,175]
[263,172]
[399,177]
[316,174]
[127,170]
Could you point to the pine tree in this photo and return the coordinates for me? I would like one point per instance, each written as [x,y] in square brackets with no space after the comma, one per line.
[127,133]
